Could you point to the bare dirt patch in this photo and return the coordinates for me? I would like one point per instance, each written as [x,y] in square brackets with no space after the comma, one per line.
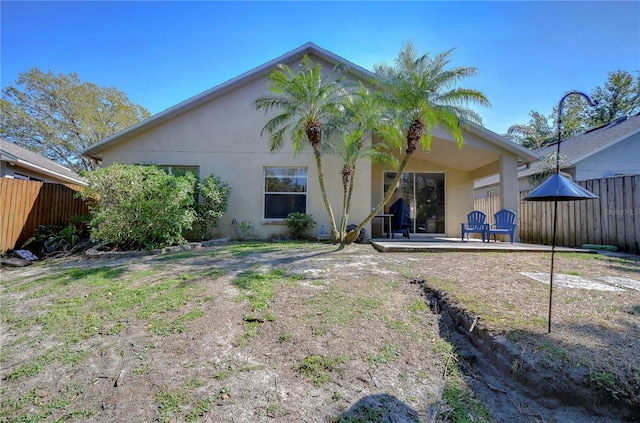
[345,336]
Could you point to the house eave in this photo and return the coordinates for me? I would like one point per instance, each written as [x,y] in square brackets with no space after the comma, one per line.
[48,172]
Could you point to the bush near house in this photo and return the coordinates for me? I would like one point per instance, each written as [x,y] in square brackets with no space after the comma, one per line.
[139,207]
[214,200]
[299,224]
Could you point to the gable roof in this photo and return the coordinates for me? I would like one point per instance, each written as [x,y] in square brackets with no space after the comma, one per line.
[579,147]
[95,151]
[13,153]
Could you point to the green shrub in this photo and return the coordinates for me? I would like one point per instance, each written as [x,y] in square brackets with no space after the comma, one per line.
[299,224]
[214,198]
[135,206]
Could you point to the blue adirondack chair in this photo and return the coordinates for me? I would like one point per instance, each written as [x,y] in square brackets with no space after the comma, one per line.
[504,224]
[475,224]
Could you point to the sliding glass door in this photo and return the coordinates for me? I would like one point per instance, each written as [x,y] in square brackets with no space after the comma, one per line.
[424,193]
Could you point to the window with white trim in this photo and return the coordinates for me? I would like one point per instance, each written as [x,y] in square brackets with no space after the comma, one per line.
[17,175]
[285,191]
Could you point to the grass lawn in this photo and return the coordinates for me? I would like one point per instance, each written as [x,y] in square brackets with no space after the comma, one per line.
[294,332]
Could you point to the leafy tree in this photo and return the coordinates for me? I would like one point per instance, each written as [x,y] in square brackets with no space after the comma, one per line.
[619,96]
[421,93]
[139,207]
[574,120]
[59,115]
[306,102]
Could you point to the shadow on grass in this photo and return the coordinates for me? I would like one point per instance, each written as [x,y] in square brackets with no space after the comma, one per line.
[380,408]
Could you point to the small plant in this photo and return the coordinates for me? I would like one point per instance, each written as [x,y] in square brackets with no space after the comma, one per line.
[170,403]
[201,407]
[299,224]
[315,368]
[601,379]
[223,394]
[387,353]
[272,410]
[513,335]
[285,336]
[50,238]
[242,229]
[465,407]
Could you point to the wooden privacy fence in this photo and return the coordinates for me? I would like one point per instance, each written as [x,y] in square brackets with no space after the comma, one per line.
[611,219]
[25,205]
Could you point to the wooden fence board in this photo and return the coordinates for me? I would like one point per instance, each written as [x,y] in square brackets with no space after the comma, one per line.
[580,219]
[628,212]
[635,189]
[25,205]
[619,209]
[604,211]
[589,215]
[597,211]
[611,219]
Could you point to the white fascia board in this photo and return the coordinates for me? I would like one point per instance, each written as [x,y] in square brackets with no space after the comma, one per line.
[49,172]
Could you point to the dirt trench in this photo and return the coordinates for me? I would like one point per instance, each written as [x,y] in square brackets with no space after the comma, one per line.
[519,387]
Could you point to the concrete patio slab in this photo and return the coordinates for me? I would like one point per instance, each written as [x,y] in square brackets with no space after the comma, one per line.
[435,244]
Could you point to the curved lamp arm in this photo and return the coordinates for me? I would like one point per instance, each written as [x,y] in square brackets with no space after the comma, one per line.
[591,103]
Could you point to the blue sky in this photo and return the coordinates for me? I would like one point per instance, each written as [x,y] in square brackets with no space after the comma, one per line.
[161,53]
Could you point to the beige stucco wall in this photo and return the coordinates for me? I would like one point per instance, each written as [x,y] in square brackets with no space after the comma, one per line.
[223,137]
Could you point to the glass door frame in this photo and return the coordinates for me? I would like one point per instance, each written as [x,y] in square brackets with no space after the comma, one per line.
[433,221]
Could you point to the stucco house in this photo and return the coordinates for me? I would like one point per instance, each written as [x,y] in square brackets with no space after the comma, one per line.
[19,163]
[608,150]
[218,131]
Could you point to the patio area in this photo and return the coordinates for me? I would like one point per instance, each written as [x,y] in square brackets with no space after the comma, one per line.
[441,244]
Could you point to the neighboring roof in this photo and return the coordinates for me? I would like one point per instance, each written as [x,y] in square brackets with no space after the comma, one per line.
[13,153]
[582,146]
[579,147]
[95,151]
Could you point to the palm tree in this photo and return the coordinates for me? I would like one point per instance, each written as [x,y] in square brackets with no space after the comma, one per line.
[307,102]
[533,135]
[422,93]
[361,117]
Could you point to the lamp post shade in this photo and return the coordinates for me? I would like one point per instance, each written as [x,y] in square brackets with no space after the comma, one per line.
[559,188]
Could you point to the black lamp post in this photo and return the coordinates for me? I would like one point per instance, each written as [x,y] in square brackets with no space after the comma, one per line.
[558,188]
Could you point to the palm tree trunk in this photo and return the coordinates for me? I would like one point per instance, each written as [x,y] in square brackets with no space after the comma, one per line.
[334,231]
[345,213]
[347,205]
[348,175]
[353,235]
